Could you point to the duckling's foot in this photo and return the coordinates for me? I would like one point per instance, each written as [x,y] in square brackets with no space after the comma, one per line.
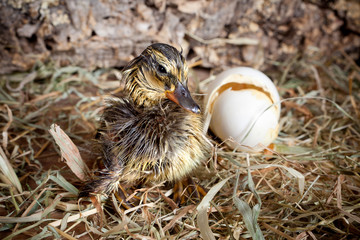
[187,190]
[122,196]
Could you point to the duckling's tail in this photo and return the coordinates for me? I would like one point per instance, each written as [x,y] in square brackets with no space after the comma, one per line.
[106,183]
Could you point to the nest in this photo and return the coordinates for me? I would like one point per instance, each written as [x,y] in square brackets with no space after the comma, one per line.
[305,186]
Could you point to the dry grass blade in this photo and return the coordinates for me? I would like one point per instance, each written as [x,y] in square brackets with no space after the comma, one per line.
[202,218]
[5,129]
[70,152]
[249,215]
[278,232]
[178,216]
[342,110]
[11,236]
[299,177]
[32,218]
[75,217]
[61,181]
[63,234]
[8,171]
[36,217]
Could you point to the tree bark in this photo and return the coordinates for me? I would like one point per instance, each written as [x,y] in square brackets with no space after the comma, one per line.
[221,33]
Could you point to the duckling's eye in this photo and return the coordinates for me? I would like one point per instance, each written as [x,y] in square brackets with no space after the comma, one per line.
[161,69]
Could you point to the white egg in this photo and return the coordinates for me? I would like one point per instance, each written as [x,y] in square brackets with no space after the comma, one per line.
[243,109]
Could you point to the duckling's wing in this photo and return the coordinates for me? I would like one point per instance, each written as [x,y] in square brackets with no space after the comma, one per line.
[117,121]
[114,120]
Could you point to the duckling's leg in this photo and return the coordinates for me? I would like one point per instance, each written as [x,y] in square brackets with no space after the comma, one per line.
[121,195]
[192,190]
[108,182]
[195,189]
[178,193]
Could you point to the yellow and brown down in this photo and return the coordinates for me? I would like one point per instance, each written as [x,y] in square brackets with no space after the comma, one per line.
[155,133]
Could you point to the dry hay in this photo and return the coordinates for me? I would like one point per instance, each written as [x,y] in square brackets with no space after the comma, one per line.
[305,186]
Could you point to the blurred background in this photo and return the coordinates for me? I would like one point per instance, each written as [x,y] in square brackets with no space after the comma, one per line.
[213,34]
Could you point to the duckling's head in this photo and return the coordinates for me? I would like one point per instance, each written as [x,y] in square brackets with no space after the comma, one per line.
[159,73]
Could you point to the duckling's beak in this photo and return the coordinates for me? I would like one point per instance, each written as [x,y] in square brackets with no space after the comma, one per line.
[182,97]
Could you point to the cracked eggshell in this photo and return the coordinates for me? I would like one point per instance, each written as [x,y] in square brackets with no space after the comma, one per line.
[243,109]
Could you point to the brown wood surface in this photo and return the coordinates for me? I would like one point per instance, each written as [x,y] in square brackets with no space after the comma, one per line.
[104,33]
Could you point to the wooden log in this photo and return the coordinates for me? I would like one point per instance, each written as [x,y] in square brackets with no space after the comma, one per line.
[221,33]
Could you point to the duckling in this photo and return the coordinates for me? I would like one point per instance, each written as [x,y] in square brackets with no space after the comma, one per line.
[155,132]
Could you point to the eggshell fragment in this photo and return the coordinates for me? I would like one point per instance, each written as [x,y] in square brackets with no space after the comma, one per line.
[243,109]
